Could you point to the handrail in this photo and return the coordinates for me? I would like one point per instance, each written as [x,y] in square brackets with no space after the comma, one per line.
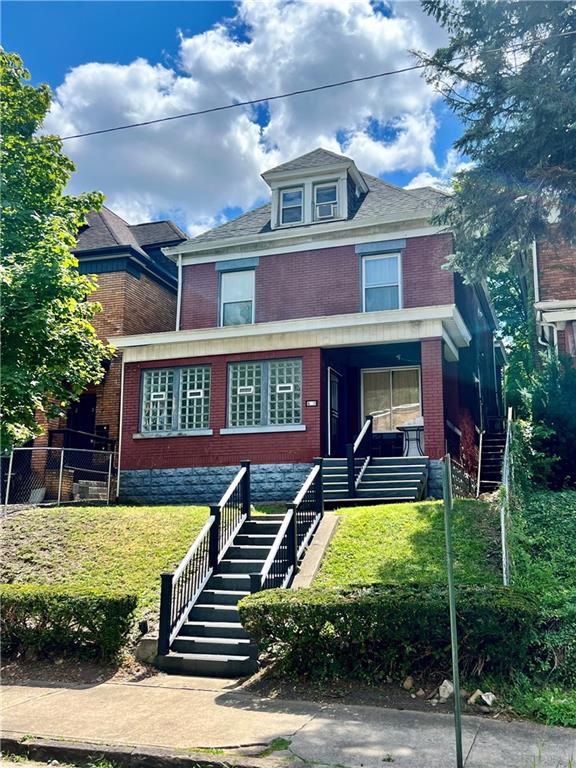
[363,432]
[479,473]
[257,580]
[505,502]
[362,470]
[193,549]
[232,487]
[307,483]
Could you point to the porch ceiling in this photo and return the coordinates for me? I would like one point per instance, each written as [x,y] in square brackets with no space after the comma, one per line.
[388,327]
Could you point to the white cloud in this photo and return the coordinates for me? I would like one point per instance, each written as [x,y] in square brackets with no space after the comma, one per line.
[195,168]
[442,179]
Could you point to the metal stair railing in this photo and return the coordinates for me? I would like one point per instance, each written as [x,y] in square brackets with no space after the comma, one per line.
[179,590]
[298,527]
[358,457]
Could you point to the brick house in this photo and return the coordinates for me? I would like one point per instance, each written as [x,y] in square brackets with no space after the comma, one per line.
[295,323]
[137,287]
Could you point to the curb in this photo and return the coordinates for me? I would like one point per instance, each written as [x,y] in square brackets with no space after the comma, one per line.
[78,752]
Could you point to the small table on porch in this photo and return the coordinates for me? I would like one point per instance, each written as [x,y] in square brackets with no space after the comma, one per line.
[413,434]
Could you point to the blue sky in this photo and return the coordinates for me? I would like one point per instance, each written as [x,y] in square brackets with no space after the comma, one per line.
[113,62]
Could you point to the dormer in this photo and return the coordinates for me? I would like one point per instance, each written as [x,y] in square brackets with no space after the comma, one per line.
[315,188]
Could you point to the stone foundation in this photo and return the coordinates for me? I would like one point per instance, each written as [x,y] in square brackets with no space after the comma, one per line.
[205,485]
[435,478]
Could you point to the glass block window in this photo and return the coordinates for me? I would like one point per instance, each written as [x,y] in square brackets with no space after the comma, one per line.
[381,277]
[267,393]
[195,397]
[176,399]
[285,392]
[245,400]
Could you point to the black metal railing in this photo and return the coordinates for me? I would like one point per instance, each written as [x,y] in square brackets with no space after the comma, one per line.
[74,438]
[358,456]
[180,590]
[296,531]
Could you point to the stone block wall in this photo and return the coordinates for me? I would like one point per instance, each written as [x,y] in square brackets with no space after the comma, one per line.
[206,485]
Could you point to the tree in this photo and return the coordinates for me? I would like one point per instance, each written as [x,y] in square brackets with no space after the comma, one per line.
[509,74]
[50,351]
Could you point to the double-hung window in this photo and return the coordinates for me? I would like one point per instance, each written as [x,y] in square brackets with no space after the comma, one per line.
[325,201]
[237,297]
[381,282]
[265,393]
[175,399]
[292,205]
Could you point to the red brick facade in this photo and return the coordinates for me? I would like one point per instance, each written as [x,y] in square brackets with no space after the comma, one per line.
[222,450]
[320,282]
[433,397]
[556,271]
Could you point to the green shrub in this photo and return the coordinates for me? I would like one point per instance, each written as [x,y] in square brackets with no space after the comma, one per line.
[47,620]
[389,628]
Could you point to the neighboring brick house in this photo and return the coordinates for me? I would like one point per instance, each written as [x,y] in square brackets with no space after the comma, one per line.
[137,287]
[296,321]
[554,288]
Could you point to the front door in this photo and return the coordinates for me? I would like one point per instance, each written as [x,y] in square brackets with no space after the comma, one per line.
[334,418]
[82,418]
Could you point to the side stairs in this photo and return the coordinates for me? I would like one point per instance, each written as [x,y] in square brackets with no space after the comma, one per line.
[384,480]
[212,641]
[493,447]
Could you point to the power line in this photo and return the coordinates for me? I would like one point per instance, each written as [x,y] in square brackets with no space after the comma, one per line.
[276,97]
[243,103]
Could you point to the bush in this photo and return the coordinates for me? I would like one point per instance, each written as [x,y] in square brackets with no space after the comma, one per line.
[389,629]
[44,621]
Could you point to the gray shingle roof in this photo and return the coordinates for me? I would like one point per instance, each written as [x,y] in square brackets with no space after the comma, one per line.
[381,198]
[108,230]
[316,158]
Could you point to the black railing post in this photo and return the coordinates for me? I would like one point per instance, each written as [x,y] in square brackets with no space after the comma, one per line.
[350,469]
[318,488]
[246,500]
[164,626]
[214,544]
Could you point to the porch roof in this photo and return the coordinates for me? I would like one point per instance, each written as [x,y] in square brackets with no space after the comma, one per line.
[399,325]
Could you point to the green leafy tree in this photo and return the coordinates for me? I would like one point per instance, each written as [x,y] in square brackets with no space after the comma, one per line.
[50,351]
[509,74]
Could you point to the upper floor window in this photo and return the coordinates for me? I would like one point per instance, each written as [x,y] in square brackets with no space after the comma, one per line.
[265,394]
[237,297]
[325,201]
[292,205]
[176,399]
[381,282]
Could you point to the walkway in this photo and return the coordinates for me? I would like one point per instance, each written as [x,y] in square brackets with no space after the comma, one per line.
[181,713]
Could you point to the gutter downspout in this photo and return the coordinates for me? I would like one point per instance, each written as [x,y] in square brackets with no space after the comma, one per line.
[120,425]
[179,293]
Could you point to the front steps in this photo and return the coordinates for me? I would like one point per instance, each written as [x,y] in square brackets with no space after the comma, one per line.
[493,447]
[212,642]
[385,480]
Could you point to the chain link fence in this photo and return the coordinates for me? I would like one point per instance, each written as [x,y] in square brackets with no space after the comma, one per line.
[33,476]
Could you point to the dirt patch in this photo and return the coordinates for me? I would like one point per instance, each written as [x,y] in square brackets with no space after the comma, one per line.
[66,671]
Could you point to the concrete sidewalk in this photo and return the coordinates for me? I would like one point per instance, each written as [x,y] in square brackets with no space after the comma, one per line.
[182,713]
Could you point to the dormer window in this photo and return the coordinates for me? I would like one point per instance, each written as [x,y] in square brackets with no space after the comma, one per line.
[292,205]
[325,201]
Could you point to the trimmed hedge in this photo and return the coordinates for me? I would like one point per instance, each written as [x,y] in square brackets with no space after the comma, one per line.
[48,620]
[388,629]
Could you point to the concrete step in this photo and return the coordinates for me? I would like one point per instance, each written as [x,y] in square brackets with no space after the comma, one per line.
[264,527]
[222,596]
[225,646]
[366,501]
[420,461]
[388,482]
[208,612]
[209,665]
[247,552]
[254,539]
[239,582]
[240,566]
[214,629]
[383,493]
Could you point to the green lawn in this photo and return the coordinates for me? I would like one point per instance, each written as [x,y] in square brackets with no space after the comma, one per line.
[405,542]
[99,547]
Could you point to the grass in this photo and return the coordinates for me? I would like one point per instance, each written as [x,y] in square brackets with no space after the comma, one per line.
[99,547]
[405,542]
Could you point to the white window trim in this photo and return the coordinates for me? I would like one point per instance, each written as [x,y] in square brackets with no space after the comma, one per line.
[255,430]
[302,206]
[336,214]
[374,257]
[221,302]
[387,370]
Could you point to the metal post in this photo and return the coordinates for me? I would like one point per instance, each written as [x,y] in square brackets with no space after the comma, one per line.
[8,479]
[452,601]
[60,476]
[318,489]
[109,478]
[165,613]
[246,500]
[214,542]
[350,469]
